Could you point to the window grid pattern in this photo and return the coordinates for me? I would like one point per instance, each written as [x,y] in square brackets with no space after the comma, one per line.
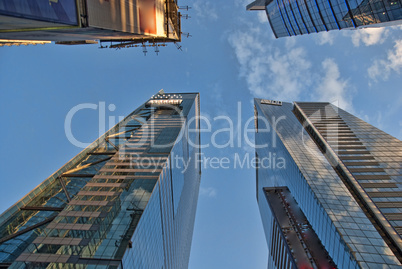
[294,243]
[340,223]
[377,181]
[108,223]
[28,211]
[298,17]
[174,206]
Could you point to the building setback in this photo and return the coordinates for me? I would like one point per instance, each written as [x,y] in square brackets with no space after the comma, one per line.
[298,17]
[123,202]
[339,180]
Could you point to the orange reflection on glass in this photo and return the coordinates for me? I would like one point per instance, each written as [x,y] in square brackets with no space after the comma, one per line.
[147,16]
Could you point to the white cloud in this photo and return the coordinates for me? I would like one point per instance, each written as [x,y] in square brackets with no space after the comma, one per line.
[383,68]
[270,72]
[325,38]
[282,69]
[375,70]
[290,43]
[262,16]
[367,36]
[395,57]
[376,119]
[243,3]
[209,192]
[205,10]
[332,87]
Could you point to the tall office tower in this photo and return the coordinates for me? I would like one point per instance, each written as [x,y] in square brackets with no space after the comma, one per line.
[126,201]
[114,23]
[298,17]
[329,187]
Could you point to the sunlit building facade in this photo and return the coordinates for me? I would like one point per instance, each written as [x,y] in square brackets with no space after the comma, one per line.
[298,17]
[324,173]
[72,22]
[126,201]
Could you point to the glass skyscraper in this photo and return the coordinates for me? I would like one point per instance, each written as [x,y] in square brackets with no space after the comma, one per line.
[329,187]
[298,17]
[126,201]
[115,24]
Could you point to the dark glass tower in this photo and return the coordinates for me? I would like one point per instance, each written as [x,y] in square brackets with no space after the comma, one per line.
[298,17]
[126,201]
[328,185]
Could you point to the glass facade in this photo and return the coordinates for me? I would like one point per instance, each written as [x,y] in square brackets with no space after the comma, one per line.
[298,17]
[126,201]
[338,170]
[294,244]
[74,22]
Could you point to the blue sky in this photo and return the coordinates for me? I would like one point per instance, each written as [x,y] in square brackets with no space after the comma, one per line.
[231,57]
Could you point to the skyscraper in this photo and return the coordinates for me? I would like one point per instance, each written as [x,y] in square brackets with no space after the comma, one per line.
[328,187]
[126,201]
[298,17]
[114,23]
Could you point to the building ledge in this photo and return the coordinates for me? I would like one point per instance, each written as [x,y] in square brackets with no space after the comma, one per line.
[257,5]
